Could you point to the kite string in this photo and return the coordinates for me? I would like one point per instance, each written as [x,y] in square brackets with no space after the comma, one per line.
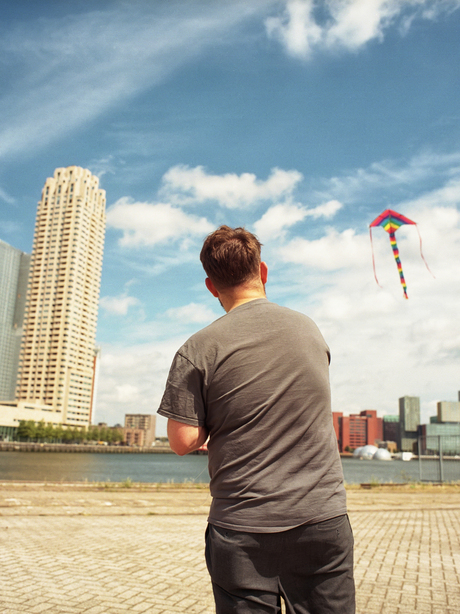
[421,253]
[373,259]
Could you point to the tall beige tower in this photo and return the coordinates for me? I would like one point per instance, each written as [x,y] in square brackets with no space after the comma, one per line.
[57,362]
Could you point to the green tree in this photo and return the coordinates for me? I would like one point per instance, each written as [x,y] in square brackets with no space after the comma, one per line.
[58,432]
[26,430]
[49,432]
[93,433]
[40,431]
[117,435]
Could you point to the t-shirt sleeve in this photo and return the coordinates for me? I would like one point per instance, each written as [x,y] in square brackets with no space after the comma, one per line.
[183,397]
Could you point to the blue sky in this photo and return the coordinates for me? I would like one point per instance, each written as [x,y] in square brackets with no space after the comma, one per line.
[299,120]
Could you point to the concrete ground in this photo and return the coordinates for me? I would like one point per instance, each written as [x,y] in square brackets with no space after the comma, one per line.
[108,549]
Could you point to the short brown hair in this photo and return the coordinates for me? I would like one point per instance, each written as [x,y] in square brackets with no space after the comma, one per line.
[230,256]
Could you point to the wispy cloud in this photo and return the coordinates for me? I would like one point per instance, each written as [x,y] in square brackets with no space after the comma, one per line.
[347,24]
[6,197]
[65,72]
[419,171]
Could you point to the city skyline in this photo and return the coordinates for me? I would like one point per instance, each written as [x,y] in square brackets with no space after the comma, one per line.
[302,121]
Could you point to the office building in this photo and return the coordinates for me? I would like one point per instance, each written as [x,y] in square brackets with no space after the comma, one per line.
[440,437]
[357,430]
[409,420]
[139,430]
[448,411]
[14,271]
[391,428]
[57,361]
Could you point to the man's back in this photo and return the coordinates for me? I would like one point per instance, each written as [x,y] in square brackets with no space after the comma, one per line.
[258,380]
[257,383]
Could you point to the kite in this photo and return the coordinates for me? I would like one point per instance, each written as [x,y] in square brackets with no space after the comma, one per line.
[391,221]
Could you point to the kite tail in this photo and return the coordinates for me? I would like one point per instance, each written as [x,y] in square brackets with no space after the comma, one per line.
[395,249]
[373,259]
[421,253]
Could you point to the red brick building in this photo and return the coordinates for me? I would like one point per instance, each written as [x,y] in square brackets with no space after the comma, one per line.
[357,430]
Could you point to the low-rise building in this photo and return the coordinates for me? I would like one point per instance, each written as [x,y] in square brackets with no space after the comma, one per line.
[139,430]
[357,430]
[440,437]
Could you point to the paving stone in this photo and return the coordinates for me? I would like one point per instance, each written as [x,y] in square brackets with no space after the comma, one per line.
[407,560]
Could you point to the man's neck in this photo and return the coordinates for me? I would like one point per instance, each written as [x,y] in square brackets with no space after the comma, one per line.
[231,300]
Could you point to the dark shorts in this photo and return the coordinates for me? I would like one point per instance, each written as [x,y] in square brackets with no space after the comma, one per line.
[310,566]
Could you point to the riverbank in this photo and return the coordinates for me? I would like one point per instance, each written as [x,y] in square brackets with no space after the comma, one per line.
[22,446]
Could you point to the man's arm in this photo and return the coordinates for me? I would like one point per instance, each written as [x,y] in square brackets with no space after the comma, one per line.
[184,438]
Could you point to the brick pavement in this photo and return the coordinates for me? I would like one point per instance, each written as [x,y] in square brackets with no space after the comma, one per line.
[102,559]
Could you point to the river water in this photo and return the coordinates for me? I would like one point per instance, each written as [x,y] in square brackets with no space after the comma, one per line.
[151,468]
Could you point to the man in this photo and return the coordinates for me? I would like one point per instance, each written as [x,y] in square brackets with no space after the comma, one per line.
[256,382]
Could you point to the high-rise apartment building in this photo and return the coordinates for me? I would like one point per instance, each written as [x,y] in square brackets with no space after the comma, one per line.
[14,271]
[57,362]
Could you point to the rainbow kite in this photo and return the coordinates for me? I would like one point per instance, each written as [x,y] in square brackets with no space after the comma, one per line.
[391,221]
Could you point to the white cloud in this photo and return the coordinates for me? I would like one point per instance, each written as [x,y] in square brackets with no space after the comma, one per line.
[184,185]
[384,346]
[326,210]
[152,223]
[296,29]
[118,305]
[329,253]
[349,24]
[132,379]
[355,22]
[125,393]
[274,221]
[192,313]
[278,218]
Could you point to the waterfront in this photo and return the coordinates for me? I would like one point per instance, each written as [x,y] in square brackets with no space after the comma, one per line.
[169,468]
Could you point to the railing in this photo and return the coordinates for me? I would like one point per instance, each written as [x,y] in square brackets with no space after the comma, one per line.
[439,458]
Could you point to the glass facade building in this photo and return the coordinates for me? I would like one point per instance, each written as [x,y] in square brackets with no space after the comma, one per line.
[14,271]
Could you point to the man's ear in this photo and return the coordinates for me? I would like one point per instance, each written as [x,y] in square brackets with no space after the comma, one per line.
[263,272]
[211,287]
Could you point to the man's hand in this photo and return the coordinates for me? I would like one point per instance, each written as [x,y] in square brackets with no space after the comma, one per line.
[184,438]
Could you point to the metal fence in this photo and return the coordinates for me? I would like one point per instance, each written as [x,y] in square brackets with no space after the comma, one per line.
[439,458]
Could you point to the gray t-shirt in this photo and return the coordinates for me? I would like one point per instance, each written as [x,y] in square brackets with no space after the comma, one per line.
[258,379]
